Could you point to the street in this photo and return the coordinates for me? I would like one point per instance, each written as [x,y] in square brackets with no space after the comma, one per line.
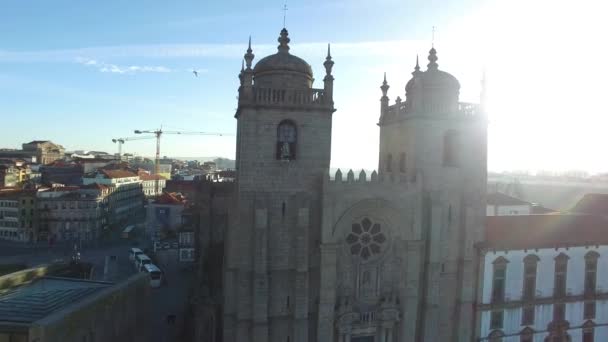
[169,299]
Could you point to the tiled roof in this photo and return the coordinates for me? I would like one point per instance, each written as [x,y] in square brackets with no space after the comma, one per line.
[118,173]
[34,301]
[170,198]
[498,198]
[544,231]
[95,186]
[596,204]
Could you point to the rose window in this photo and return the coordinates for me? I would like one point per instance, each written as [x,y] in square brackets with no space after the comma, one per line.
[366,239]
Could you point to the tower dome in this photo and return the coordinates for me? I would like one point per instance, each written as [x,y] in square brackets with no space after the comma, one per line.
[432,90]
[283,70]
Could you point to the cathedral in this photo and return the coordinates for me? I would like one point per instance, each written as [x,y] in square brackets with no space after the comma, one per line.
[352,257]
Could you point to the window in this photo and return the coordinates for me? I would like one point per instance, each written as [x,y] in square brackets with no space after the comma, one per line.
[527,315]
[496,320]
[389,163]
[589,310]
[402,163]
[590,272]
[561,268]
[529,290]
[559,312]
[286,140]
[498,280]
[451,146]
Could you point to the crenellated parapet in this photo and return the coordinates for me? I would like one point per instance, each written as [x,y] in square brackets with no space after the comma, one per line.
[361,179]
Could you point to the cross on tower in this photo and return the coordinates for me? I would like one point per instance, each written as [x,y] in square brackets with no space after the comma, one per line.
[433,39]
[284,13]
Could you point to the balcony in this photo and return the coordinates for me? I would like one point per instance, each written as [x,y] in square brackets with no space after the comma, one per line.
[404,109]
[287,97]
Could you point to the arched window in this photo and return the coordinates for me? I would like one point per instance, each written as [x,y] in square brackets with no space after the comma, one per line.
[451,148]
[591,272]
[287,137]
[561,270]
[530,264]
[389,163]
[499,280]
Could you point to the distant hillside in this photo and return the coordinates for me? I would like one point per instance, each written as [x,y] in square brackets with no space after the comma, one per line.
[222,163]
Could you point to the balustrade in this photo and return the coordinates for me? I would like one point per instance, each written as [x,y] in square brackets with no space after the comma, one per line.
[295,97]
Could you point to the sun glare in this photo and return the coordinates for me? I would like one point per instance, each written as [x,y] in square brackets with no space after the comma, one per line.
[542,68]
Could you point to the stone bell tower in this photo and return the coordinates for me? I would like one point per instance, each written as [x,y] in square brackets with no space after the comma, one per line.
[433,136]
[283,152]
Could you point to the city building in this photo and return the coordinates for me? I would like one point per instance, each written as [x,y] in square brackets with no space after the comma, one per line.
[543,278]
[499,204]
[125,199]
[9,216]
[164,215]
[386,256]
[9,176]
[61,172]
[28,215]
[75,213]
[35,307]
[152,185]
[186,234]
[36,152]
[188,189]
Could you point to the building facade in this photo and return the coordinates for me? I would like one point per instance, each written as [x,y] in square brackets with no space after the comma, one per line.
[499,204]
[36,152]
[381,257]
[152,185]
[77,214]
[164,215]
[9,216]
[543,278]
[125,199]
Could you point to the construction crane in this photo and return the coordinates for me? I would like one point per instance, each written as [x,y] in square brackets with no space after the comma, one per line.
[157,134]
[121,141]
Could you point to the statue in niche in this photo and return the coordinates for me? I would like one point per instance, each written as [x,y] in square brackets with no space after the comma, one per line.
[285,153]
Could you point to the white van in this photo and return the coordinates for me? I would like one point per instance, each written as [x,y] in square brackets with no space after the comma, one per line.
[155,274]
[134,252]
[142,260]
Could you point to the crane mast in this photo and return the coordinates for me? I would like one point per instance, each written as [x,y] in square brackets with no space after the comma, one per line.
[158,133]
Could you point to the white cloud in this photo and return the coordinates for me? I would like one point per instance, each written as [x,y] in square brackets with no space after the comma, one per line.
[117,69]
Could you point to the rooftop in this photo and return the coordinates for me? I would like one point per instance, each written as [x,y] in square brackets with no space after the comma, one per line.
[498,198]
[117,173]
[544,231]
[170,198]
[595,204]
[43,296]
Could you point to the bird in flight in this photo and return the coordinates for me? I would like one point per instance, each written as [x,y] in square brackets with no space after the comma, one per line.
[195,73]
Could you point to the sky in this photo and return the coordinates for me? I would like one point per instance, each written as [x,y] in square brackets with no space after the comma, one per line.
[80,73]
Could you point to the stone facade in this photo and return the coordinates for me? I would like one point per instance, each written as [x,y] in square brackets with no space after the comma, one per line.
[383,257]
